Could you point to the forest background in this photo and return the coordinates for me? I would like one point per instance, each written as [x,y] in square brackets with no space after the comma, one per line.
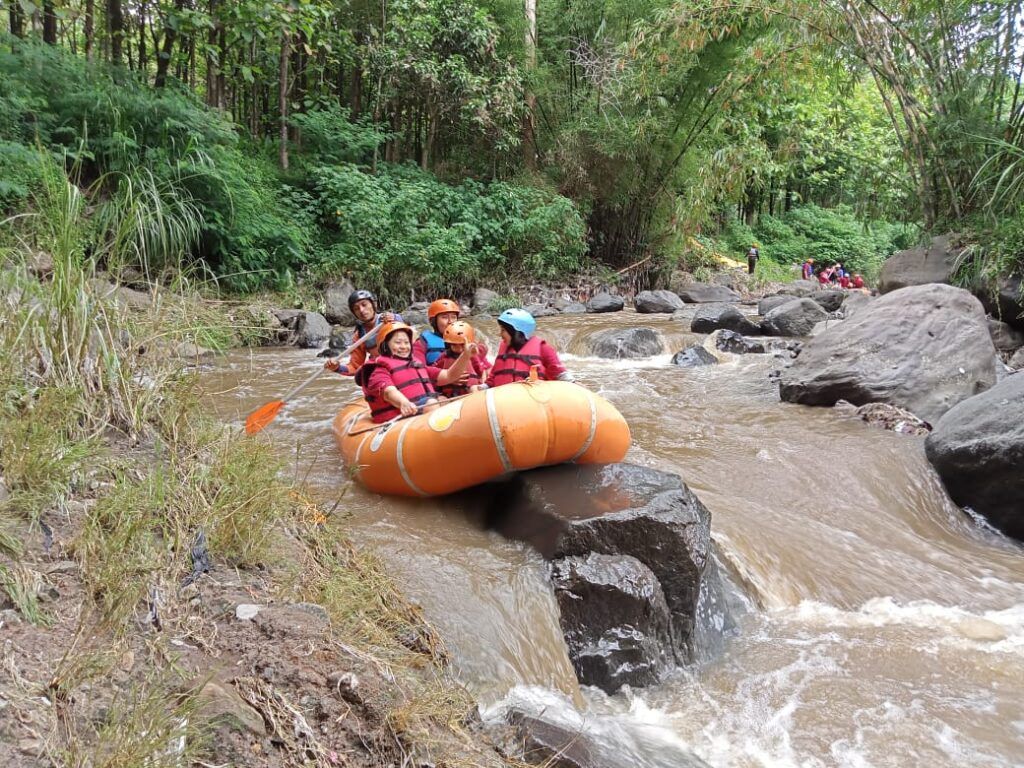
[425,146]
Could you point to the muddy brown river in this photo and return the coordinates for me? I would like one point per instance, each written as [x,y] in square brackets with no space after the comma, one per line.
[884,626]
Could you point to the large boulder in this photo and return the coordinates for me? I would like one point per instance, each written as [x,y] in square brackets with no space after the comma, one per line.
[924,348]
[336,303]
[416,313]
[605,302]
[978,450]
[482,300]
[768,303]
[1005,337]
[657,302]
[794,318]
[920,266]
[737,344]
[305,329]
[540,310]
[628,343]
[615,620]
[574,308]
[705,293]
[693,357]
[1004,300]
[800,288]
[712,317]
[830,300]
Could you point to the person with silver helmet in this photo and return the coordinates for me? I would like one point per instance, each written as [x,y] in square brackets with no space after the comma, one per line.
[363,306]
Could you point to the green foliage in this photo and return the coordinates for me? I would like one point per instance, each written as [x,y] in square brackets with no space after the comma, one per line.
[403,230]
[332,137]
[20,176]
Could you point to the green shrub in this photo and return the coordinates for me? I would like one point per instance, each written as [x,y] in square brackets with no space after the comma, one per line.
[20,175]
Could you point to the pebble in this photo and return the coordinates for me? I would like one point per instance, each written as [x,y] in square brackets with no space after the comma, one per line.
[246,611]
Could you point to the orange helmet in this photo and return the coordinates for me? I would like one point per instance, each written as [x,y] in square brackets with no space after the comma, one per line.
[459,332]
[389,328]
[441,306]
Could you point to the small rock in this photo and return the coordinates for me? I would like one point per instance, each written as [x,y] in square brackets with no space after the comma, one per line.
[306,329]
[1005,337]
[246,611]
[415,314]
[9,616]
[886,416]
[830,300]
[221,704]
[795,318]
[540,310]
[482,300]
[40,264]
[343,682]
[62,567]
[1017,362]
[340,338]
[657,302]
[627,343]
[800,288]
[768,303]
[190,351]
[693,357]
[317,611]
[605,302]
[574,308]
[32,747]
[712,317]
[737,344]
[703,293]
[4,493]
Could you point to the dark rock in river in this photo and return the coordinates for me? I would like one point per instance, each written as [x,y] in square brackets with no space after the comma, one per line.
[1005,337]
[657,302]
[305,329]
[830,300]
[924,348]
[712,317]
[574,308]
[794,318]
[340,338]
[978,450]
[704,293]
[920,266]
[693,357]
[768,303]
[605,302]
[336,303]
[615,620]
[541,310]
[627,343]
[737,344]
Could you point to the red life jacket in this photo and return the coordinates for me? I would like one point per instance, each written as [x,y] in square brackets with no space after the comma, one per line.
[446,361]
[410,376]
[511,365]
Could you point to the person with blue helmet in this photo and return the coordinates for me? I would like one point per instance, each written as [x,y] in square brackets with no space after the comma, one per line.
[521,349]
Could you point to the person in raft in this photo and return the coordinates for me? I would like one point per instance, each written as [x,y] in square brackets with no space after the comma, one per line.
[430,345]
[520,350]
[363,306]
[457,337]
[395,384]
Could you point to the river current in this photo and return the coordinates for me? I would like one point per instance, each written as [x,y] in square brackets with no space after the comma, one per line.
[884,626]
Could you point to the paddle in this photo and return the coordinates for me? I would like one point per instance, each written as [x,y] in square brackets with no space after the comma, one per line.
[265,414]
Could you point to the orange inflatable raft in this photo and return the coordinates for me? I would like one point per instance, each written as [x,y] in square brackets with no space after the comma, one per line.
[481,436]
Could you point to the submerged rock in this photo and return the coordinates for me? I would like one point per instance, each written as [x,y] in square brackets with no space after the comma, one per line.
[886,416]
[924,348]
[605,302]
[794,318]
[654,302]
[712,317]
[627,343]
[737,344]
[977,448]
[305,329]
[693,357]
[920,266]
[615,620]
[705,293]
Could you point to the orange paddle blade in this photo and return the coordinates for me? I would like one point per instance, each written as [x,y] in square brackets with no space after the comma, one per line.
[262,416]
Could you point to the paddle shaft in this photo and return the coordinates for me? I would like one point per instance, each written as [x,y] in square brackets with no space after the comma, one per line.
[348,350]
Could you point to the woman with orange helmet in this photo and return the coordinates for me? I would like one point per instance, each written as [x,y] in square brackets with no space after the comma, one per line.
[430,345]
[458,337]
[395,384]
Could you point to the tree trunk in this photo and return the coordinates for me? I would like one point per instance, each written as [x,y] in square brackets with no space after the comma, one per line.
[282,98]
[355,101]
[211,68]
[163,60]
[530,41]
[49,23]
[143,59]
[17,19]
[115,22]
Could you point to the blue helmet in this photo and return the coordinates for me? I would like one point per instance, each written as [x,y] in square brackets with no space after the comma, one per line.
[519,320]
